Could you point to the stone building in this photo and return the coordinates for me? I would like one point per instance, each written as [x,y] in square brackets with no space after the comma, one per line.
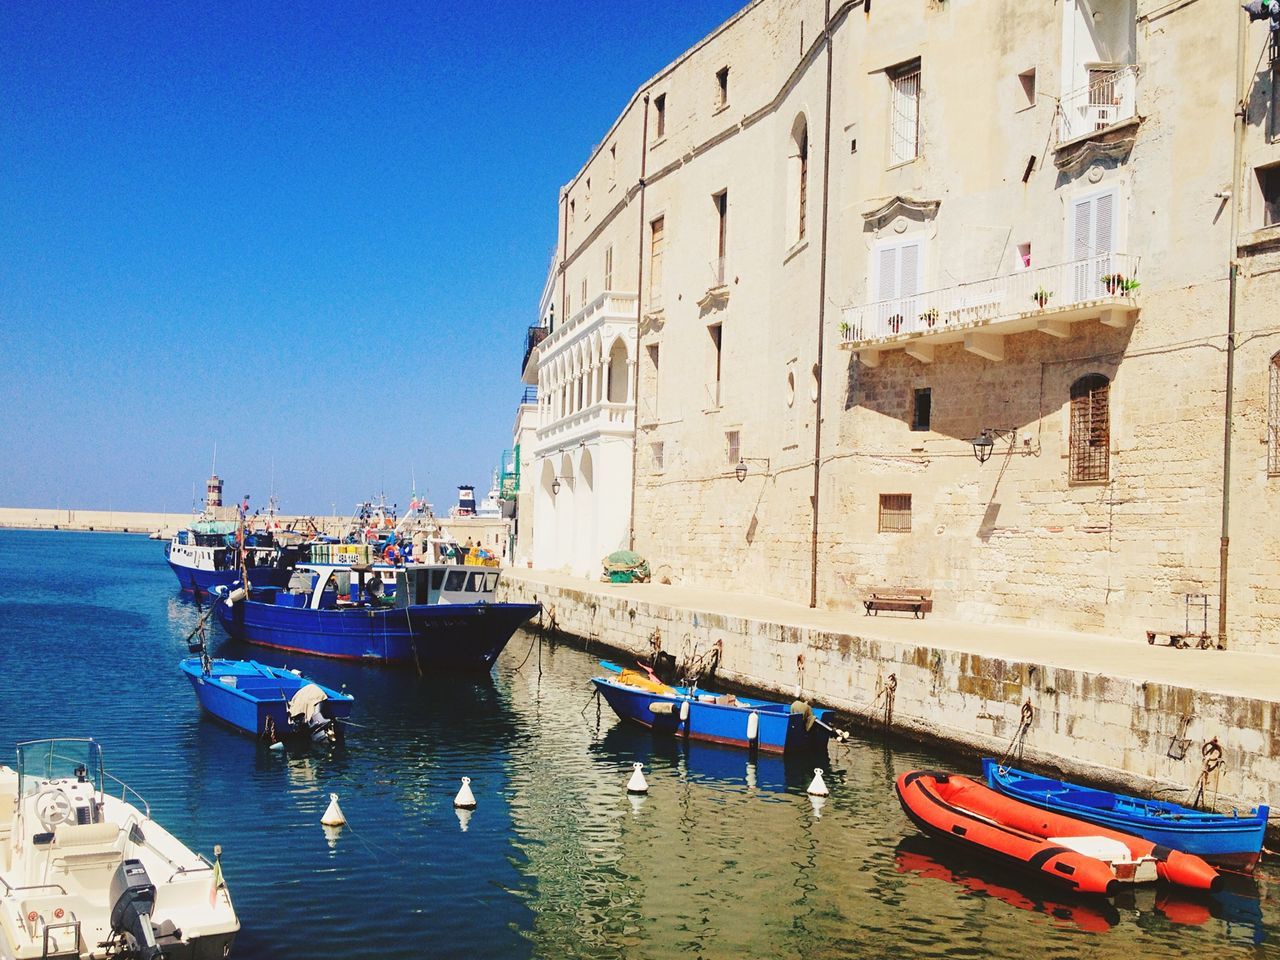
[932,293]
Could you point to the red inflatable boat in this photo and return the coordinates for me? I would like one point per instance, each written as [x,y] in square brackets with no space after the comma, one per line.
[1080,856]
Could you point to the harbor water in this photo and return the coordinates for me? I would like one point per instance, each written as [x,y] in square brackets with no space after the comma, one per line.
[724,857]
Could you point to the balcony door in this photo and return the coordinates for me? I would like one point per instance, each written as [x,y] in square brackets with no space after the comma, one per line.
[1093,243]
[897,285]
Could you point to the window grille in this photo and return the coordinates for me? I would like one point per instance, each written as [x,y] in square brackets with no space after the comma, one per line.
[895,513]
[656,450]
[1273,419]
[1090,428]
[734,446]
[804,181]
[904,131]
[608,268]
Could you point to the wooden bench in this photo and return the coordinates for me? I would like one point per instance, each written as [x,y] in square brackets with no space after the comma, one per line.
[917,602]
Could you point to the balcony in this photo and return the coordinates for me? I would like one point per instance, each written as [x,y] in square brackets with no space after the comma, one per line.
[717,294]
[1109,98]
[979,315]
[602,418]
[605,307]
[533,337]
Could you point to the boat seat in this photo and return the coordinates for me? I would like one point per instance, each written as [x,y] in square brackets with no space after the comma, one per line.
[86,846]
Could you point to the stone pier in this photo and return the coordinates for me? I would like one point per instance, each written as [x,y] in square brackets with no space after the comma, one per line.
[1115,711]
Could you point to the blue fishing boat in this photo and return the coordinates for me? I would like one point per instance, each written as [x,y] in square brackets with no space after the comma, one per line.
[440,617]
[717,718]
[1229,839]
[266,701]
[207,555]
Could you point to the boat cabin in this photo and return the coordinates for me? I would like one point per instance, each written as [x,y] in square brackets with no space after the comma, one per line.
[330,586]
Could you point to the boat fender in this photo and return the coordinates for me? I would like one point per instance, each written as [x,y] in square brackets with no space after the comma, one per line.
[236,595]
[753,727]
[684,711]
[661,709]
[465,800]
[333,815]
[637,783]
[818,788]
[806,711]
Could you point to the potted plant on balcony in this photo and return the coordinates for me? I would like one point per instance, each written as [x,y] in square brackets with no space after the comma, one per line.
[895,322]
[1041,297]
[930,317]
[844,329]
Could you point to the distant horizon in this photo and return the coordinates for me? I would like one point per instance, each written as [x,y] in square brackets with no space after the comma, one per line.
[313,238]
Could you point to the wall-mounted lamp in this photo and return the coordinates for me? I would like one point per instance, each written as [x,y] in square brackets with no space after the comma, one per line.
[555,486]
[984,443]
[740,470]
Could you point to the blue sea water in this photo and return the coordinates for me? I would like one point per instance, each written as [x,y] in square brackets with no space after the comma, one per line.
[724,857]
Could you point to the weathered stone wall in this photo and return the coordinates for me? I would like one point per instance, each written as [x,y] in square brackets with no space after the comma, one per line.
[1109,729]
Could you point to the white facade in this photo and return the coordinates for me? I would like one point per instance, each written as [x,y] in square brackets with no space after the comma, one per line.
[582,451]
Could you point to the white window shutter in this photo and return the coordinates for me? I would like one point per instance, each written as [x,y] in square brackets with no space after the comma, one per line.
[1083,230]
[909,262]
[888,279]
[1104,230]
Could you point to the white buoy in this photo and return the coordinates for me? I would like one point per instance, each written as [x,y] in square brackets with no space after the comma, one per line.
[465,800]
[753,727]
[278,745]
[818,787]
[464,817]
[637,782]
[333,815]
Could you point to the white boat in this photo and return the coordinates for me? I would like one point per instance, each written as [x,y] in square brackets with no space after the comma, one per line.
[88,874]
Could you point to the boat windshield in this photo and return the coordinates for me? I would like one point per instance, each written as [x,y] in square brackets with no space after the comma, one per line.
[40,760]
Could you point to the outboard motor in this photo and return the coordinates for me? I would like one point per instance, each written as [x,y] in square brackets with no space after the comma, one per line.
[133,897]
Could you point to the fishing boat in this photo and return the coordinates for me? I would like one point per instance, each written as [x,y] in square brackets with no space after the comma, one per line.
[1229,839]
[719,718]
[1073,854]
[269,702]
[208,554]
[86,873]
[444,617]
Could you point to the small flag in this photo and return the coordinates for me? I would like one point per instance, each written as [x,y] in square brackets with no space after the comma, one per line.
[217,882]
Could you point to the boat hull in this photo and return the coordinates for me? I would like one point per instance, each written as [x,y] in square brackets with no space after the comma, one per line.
[258,703]
[201,582]
[436,636]
[779,730]
[1223,839]
[965,812]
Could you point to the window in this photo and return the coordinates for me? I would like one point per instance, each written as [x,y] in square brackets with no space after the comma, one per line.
[1269,185]
[721,201]
[897,281]
[572,205]
[895,513]
[1023,257]
[722,86]
[608,267]
[613,165]
[660,116]
[716,340]
[1027,83]
[803,146]
[904,113]
[1273,419]
[654,393]
[1093,242]
[584,291]
[656,230]
[456,580]
[1090,444]
[733,446]
[655,454]
[922,408]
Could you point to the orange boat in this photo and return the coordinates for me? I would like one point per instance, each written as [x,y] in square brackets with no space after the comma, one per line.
[1079,856]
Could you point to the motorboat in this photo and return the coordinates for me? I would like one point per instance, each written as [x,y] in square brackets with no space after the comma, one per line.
[686,711]
[271,703]
[440,616]
[86,873]
[1231,839]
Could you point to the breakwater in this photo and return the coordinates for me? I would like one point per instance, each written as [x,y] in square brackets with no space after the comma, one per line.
[1122,714]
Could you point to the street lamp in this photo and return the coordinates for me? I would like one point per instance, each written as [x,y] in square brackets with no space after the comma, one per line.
[983,444]
[555,486]
[740,469]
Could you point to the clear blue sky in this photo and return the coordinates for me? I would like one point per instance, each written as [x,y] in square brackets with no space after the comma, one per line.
[311,233]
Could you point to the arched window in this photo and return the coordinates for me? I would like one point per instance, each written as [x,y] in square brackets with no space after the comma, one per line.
[803,149]
[1273,419]
[1090,428]
[618,373]
[798,181]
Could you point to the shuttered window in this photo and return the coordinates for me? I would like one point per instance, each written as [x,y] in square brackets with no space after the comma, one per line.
[1273,419]
[656,230]
[897,282]
[1094,241]
[904,113]
[1090,443]
[895,513]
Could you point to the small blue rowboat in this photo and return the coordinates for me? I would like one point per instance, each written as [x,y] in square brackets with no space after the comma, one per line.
[697,715]
[268,702]
[1228,839]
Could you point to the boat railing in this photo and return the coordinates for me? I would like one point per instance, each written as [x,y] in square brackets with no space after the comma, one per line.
[10,890]
[126,790]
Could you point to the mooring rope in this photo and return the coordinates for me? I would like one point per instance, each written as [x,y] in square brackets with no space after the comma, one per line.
[1211,752]
[1019,741]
